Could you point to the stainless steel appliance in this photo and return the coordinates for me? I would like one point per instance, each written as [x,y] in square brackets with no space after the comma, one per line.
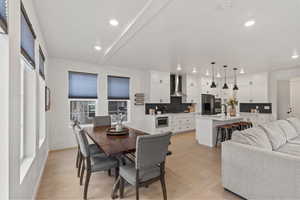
[161,122]
[218,106]
[208,102]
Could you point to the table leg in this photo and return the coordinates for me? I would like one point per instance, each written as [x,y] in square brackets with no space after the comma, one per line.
[115,188]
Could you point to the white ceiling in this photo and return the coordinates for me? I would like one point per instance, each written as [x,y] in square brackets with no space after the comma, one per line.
[163,33]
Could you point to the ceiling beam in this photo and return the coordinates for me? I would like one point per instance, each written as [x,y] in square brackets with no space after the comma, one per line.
[151,9]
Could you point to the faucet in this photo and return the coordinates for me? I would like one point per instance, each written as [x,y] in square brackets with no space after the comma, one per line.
[225,108]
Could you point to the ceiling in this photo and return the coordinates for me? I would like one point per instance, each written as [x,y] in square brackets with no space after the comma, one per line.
[159,34]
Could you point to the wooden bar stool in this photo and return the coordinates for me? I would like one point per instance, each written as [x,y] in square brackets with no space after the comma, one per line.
[234,127]
[245,125]
[223,130]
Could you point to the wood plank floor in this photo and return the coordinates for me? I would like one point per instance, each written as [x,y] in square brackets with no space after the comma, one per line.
[193,172]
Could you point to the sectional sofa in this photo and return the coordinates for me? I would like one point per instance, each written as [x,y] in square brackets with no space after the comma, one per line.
[264,162]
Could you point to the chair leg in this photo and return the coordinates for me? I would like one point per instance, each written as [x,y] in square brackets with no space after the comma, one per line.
[86,185]
[137,191]
[109,172]
[116,173]
[218,132]
[121,188]
[77,159]
[163,185]
[82,173]
[79,165]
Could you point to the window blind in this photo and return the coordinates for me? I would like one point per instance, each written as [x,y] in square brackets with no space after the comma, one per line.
[118,87]
[27,38]
[42,63]
[3,16]
[82,85]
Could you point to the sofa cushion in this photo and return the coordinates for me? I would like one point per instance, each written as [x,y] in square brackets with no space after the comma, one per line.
[275,134]
[295,122]
[253,136]
[288,129]
[292,149]
[295,140]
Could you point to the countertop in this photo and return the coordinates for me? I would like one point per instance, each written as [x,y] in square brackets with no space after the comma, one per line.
[219,117]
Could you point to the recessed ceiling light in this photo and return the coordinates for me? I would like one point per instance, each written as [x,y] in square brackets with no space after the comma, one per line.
[295,56]
[97,48]
[194,70]
[207,73]
[242,71]
[113,22]
[179,67]
[249,23]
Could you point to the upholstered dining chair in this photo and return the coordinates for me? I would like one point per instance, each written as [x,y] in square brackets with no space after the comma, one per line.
[102,121]
[93,164]
[93,148]
[149,166]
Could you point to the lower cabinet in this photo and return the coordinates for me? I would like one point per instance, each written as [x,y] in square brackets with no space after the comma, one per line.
[181,123]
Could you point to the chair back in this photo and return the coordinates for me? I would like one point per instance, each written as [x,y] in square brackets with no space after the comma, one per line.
[83,142]
[151,149]
[102,121]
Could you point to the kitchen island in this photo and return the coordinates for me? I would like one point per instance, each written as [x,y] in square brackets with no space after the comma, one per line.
[206,131]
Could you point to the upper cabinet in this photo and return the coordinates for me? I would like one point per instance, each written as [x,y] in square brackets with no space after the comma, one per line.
[158,87]
[190,89]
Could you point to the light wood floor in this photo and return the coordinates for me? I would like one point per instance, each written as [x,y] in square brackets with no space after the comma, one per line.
[193,172]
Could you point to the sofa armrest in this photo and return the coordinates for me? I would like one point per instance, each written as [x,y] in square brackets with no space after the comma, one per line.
[256,173]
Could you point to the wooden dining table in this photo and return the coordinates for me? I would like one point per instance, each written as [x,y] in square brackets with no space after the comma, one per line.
[114,145]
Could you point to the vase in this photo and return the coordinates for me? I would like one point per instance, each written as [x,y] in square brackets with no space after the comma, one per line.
[232,111]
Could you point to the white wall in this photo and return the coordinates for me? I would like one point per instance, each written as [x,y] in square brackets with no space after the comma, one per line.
[60,132]
[28,187]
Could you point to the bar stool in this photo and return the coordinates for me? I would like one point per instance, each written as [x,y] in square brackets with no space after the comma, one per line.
[245,125]
[224,130]
[234,127]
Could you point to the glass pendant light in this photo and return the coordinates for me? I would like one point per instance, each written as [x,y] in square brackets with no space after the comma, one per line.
[225,86]
[213,84]
[235,87]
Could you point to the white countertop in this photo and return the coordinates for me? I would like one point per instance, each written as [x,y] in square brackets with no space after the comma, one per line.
[219,117]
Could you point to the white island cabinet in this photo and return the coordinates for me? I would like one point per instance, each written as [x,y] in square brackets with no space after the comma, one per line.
[206,127]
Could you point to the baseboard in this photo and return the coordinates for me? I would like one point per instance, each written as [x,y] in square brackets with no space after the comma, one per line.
[40,176]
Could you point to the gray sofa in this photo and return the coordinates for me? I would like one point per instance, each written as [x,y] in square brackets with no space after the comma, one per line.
[264,162]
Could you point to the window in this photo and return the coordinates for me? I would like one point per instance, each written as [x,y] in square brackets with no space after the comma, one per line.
[27,38]
[118,97]
[28,111]
[83,111]
[42,64]
[3,16]
[82,85]
[118,87]
[116,107]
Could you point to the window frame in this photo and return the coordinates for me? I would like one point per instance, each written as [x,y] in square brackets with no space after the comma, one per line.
[87,100]
[41,54]
[80,97]
[3,22]
[23,52]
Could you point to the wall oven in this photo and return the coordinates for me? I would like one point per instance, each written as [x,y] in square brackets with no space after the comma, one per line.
[161,122]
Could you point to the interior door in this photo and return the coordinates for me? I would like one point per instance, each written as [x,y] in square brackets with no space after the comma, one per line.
[295,97]
[283,99]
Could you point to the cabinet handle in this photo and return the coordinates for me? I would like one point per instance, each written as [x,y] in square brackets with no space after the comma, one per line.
[161,100]
[160,81]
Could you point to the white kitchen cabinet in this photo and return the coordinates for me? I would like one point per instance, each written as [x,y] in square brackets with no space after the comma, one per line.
[158,87]
[253,88]
[206,89]
[190,89]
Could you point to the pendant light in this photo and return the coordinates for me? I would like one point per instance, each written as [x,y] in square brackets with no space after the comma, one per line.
[213,84]
[235,87]
[225,86]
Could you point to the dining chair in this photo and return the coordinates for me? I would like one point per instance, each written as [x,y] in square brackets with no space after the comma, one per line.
[91,163]
[93,148]
[102,121]
[149,166]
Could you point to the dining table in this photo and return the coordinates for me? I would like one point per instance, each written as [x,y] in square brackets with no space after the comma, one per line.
[114,146]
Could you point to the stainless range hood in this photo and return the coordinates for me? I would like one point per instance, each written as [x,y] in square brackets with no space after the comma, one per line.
[176,85]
